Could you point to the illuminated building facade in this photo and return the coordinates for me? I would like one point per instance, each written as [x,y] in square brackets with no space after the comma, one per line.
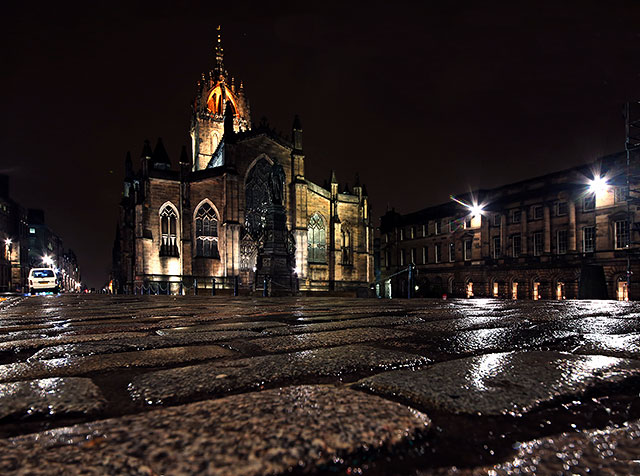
[570,234]
[13,241]
[205,218]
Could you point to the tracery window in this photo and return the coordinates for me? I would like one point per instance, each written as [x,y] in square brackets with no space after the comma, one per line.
[168,231]
[257,198]
[248,253]
[206,232]
[347,250]
[316,239]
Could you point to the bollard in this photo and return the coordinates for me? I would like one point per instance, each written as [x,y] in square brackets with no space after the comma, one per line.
[265,292]
[213,286]
[235,285]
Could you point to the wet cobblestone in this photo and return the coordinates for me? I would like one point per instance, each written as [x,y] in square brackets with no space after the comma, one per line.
[317,385]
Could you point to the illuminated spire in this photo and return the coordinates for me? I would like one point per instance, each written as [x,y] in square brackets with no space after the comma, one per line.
[219,53]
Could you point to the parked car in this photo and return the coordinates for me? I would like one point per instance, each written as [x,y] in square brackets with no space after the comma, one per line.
[43,279]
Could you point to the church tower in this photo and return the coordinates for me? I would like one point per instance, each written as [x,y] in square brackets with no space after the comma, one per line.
[215,91]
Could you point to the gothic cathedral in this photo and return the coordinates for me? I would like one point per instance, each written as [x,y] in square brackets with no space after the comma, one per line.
[203,222]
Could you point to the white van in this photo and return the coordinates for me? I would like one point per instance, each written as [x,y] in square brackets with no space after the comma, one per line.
[43,279]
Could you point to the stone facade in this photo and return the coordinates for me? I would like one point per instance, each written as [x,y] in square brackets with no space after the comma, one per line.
[205,218]
[557,236]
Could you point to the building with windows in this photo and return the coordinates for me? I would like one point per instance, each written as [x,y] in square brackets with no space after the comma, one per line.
[180,226]
[564,235]
[13,240]
[46,249]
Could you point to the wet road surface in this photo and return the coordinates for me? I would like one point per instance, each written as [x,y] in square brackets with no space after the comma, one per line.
[96,384]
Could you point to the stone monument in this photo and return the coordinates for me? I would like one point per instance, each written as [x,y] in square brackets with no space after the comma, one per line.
[276,256]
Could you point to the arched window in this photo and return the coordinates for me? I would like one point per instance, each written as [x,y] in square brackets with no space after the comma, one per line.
[207,232]
[168,231]
[257,198]
[316,239]
[347,250]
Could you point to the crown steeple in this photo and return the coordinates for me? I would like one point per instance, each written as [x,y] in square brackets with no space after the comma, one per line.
[217,98]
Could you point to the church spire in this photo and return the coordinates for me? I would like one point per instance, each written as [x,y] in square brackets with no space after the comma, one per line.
[219,53]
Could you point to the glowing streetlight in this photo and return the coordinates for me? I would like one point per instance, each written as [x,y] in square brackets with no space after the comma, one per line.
[47,260]
[474,208]
[7,242]
[598,185]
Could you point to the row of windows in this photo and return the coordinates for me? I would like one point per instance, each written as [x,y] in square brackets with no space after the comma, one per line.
[206,223]
[621,240]
[206,226]
[536,212]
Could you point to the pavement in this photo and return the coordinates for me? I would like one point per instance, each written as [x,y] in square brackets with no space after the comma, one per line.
[98,384]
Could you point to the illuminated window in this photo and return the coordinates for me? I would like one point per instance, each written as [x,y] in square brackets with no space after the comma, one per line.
[538,243]
[424,230]
[496,289]
[412,232]
[588,239]
[514,290]
[452,252]
[32,231]
[516,216]
[589,202]
[347,252]
[622,290]
[316,240]
[436,253]
[469,289]
[560,290]
[621,234]
[168,231]
[412,255]
[619,194]
[401,234]
[436,227]
[561,242]
[206,232]
[536,291]
[516,245]
[467,250]
[561,208]
[495,249]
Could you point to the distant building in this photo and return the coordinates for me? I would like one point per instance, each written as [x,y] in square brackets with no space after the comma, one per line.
[204,217]
[564,235]
[46,249]
[13,241]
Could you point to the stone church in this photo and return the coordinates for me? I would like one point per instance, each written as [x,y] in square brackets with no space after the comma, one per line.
[203,220]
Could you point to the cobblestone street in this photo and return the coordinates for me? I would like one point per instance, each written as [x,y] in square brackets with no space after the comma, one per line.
[219,385]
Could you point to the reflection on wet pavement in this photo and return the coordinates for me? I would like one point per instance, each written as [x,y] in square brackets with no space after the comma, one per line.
[360,382]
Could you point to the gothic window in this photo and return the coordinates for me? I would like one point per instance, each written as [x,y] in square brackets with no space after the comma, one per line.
[168,231]
[347,250]
[206,232]
[248,253]
[257,198]
[316,240]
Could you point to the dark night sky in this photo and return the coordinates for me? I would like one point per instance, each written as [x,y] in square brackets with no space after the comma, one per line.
[422,99]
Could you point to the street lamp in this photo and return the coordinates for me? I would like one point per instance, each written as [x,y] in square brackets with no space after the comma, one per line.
[598,185]
[47,260]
